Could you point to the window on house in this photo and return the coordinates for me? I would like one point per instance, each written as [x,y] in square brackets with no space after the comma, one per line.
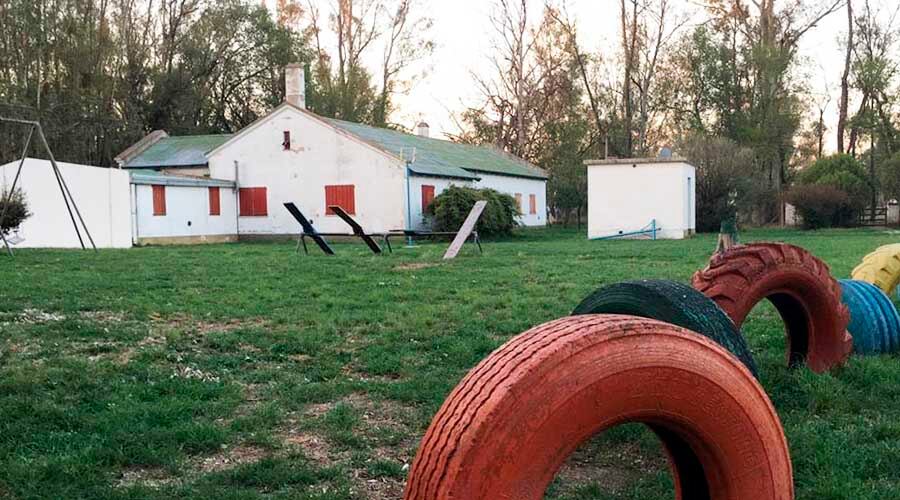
[519,201]
[287,140]
[427,196]
[159,200]
[215,206]
[342,196]
[253,202]
[532,204]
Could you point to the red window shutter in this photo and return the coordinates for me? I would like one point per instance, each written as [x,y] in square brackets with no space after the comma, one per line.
[246,201]
[343,196]
[287,140]
[260,202]
[253,202]
[519,201]
[427,196]
[159,200]
[215,207]
[532,204]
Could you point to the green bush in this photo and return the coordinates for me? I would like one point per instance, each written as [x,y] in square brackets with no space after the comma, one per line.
[889,177]
[450,208]
[16,210]
[821,205]
[843,172]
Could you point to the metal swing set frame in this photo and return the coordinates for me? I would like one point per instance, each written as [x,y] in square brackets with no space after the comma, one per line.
[71,206]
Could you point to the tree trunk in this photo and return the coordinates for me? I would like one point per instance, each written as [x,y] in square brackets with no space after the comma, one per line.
[842,110]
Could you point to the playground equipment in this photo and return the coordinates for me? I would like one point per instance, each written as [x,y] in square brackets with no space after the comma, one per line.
[649,230]
[880,268]
[874,322]
[798,284]
[309,231]
[71,206]
[670,302]
[508,426]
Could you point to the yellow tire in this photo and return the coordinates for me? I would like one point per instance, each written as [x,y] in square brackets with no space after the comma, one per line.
[881,268]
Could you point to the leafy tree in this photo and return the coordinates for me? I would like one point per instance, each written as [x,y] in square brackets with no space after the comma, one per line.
[889,177]
[722,182]
[99,74]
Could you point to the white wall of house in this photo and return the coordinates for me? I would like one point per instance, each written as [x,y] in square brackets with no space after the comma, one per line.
[101,195]
[320,155]
[187,218]
[624,195]
[524,187]
[415,187]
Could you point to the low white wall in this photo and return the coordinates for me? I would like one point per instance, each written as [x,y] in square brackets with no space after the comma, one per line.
[187,213]
[627,196]
[525,187]
[101,195]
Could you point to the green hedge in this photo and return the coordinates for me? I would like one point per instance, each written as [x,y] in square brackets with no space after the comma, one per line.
[450,208]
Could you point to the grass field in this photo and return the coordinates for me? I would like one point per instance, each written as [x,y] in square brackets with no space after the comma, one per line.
[246,371]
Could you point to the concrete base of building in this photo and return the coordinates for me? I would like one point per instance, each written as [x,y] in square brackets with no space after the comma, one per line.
[188,240]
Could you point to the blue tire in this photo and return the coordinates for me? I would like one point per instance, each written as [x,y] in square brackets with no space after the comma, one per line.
[874,321]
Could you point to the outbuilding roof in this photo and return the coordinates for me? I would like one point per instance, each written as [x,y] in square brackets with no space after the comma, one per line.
[438,157]
[183,151]
[159,179]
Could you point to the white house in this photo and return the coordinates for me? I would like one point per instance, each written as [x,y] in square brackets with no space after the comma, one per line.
[626,195]
[383,177]
[121,208]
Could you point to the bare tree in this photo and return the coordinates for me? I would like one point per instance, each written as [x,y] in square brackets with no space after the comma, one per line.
[406,43]
[845,79]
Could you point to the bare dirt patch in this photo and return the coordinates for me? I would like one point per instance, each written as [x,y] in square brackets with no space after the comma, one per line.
[153,477]
[615,468]
[229,458]
[414,266]
[189,325]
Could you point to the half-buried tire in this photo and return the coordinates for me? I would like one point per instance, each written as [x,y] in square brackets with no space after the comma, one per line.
[874,322]
[509,425]
[880,268]
[670,302]
[797,283]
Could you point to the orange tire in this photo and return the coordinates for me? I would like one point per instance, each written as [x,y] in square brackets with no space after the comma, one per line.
[798,284]
[509,425]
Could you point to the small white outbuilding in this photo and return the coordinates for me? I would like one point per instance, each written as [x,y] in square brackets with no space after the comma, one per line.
[629,195]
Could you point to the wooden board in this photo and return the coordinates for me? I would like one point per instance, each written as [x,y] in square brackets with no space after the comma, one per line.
[466,230]
[308,228]
[357,229]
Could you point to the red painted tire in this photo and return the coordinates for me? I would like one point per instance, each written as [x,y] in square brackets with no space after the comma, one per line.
[798,284]
[509,425]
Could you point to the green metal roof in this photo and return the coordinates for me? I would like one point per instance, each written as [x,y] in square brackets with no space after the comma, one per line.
[159,179]
[184,151]
[439,157]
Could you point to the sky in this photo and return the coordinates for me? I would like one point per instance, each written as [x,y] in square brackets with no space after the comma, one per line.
[463,37]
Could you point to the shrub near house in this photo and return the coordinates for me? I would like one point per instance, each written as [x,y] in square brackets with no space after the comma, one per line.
[451,207]
[16,209]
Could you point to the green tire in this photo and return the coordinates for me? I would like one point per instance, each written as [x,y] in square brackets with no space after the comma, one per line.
[674,303]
